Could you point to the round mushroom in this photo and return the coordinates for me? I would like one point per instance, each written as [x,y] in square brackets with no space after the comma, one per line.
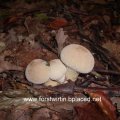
[71,74]
[62,79]
[78,58]
[37,71]
[51,83]
[57,70]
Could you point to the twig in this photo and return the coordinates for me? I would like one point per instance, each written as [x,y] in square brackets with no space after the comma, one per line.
[90,81]
[78,89]
[97,48]
[106,57]
[48,47]
[107,72]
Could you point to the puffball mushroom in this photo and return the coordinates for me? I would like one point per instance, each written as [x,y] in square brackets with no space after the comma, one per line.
[78,58]
[37,71]
[51,83]
[71,74]
[57,70]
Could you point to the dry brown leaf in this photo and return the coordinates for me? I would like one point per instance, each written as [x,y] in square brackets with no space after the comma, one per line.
[89,111]
[20,114]
[105,104]
[3,115]
[4,65]
[41,114]
[58,23]
[12,35]
[60,37]
[113,48]
[24,56]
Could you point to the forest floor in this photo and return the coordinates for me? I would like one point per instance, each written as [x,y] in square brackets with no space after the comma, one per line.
[28,31]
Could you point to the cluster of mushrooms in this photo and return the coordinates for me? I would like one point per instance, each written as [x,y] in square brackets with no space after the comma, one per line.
[74,59]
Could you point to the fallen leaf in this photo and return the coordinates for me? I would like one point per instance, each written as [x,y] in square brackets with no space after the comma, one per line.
[3,115]
[12,19]
[25,56]
[20,114]
[89,111]
[4,65]
[105,104]
[66,114]
[12,35]
[60,37]
[58,23]
[113,48]
[41,114]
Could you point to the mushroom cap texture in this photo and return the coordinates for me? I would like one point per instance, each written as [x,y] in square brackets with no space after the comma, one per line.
[57,69]
[78,58]
[37,71]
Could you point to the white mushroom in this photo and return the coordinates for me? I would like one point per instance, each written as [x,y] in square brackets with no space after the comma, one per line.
[51,83]
[37,71]
[62,79]
[57,70]
[78,58]
[71,74]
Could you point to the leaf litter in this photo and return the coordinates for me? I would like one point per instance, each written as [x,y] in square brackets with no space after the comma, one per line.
[25,34]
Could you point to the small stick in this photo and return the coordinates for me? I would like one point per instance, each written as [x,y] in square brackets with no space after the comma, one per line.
[48,47]
[78,89]
[108,72]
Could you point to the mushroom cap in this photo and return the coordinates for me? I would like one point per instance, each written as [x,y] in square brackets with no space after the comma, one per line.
[71,74]
[57,69]
[78,58]
[37,71]
[62,79]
